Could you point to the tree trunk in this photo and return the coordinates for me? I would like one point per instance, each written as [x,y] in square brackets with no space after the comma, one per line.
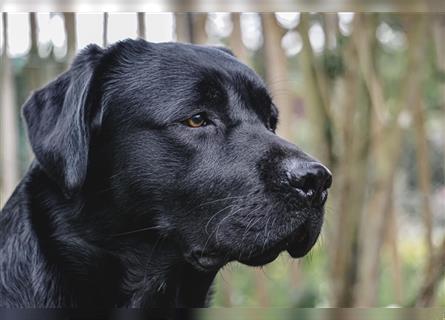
[423,171]
[331,29]
[71,40]
[141,25]
[316,105]
[434,274]
[105,30]
[392,244]
[32,69]
[351,125]
[184,27]
[9,121]
[386,148]
[435,270]
[227,287]
[277,74]
[33,33]
[190,27]
[261,289]
[236,41]
[349,190]
[199,30]
[439,36]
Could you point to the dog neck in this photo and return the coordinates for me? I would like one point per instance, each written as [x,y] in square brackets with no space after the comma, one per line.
[92,267]
[166,281]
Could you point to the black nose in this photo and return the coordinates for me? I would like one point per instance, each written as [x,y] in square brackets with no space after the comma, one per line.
[310,180]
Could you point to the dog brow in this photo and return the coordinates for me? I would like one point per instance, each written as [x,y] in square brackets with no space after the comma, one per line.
[254,94]
[211,89]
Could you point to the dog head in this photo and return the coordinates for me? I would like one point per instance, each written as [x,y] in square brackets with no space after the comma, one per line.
[183,139]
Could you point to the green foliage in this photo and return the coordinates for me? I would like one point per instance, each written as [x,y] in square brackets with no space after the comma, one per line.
[333,64]
[439,75]
[312,289]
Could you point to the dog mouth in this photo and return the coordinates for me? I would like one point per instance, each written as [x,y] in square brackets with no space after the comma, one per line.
[297,244]
[206,261]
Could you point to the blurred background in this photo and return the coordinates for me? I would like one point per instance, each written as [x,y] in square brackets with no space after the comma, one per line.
[365,93]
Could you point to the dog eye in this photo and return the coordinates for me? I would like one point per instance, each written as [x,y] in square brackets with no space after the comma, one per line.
[273,124]
[198,120]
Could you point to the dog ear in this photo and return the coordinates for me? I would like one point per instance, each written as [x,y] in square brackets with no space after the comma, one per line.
[59,119]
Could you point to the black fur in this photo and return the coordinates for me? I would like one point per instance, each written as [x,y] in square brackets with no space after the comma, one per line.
[126,205]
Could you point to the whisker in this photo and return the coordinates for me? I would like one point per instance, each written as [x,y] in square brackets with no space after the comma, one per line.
[221,222]
[134,231]
[249,219]
[265,233]
[250,225]
[270,229]
[213,216]
[212,202]
[216,230]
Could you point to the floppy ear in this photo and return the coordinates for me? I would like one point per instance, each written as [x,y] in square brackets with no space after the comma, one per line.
[59,118]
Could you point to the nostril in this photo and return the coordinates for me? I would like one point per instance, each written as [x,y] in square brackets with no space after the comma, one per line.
[328,181]
[309,183]
[310,179]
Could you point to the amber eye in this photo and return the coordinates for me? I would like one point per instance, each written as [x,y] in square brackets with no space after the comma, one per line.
[198,120]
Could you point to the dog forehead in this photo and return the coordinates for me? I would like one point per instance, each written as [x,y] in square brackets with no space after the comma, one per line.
[141,65]
[170,78]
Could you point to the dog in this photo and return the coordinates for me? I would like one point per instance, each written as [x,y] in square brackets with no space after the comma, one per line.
[155,166]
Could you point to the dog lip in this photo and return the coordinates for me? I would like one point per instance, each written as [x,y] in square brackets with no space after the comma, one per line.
[301,243]
[298,251]
[205,261]
[262,259]
[274,251]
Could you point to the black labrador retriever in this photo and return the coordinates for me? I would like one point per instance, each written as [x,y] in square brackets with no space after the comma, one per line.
[156,165]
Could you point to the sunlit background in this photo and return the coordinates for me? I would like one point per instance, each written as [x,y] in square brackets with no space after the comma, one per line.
[365,93]
[160,27]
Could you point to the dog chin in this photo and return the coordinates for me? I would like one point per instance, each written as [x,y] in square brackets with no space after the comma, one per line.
[297,244]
